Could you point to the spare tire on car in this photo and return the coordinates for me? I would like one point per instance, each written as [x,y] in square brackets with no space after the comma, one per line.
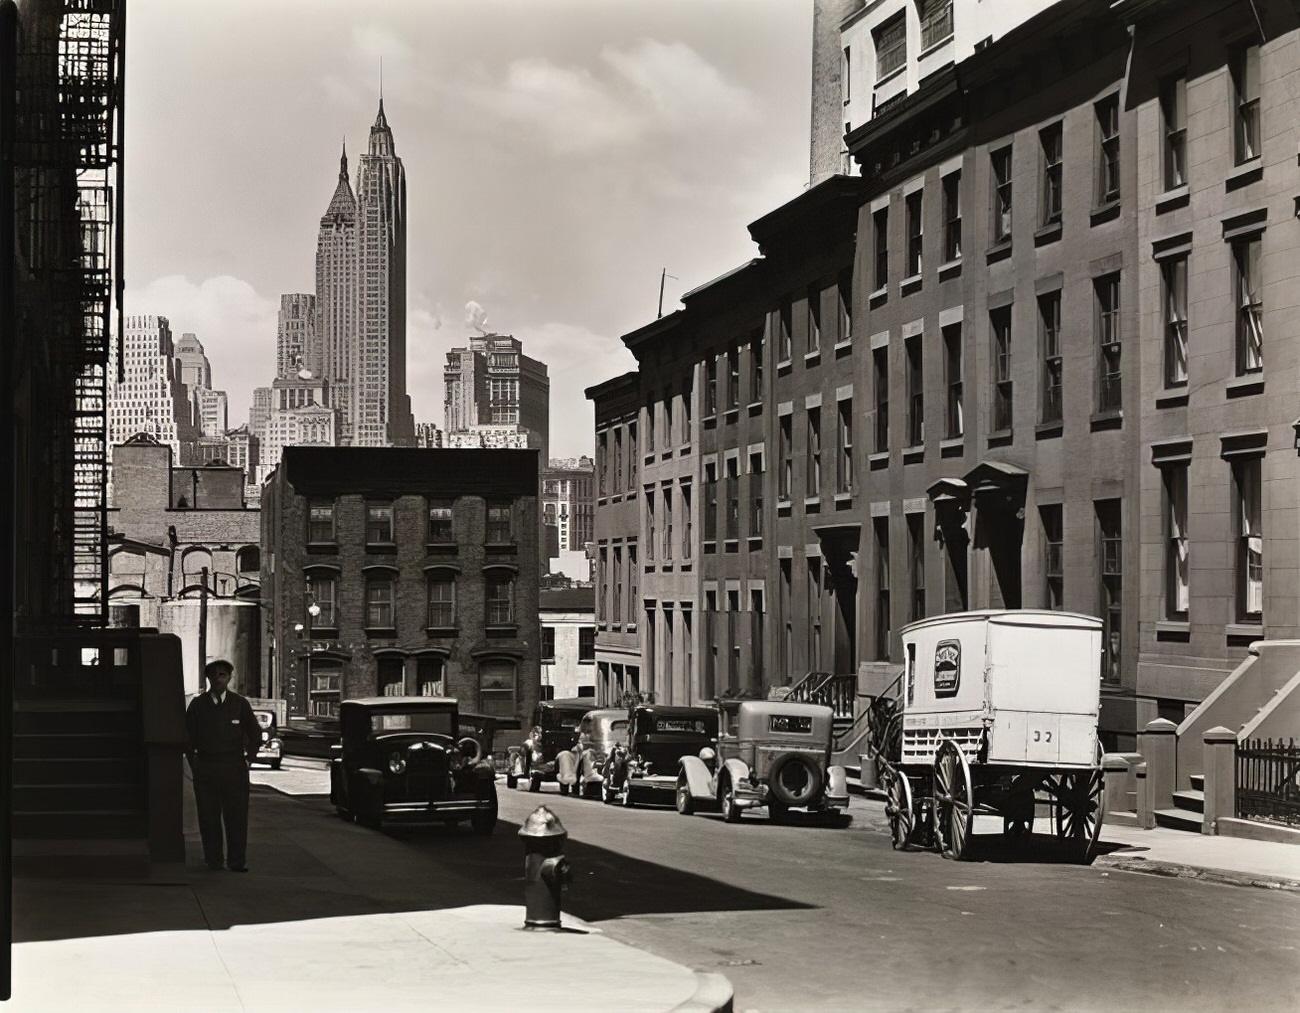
[795,779]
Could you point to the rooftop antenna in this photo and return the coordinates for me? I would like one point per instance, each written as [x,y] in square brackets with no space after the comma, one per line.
[662,275]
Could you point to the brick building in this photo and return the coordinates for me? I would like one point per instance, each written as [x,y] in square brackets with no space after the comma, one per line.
[568,621]
[403,571]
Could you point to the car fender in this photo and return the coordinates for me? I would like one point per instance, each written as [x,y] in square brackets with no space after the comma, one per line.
[566,767]
[698,777]
[737,769]
[837,781]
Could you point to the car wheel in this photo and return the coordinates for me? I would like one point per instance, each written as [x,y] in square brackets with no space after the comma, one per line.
[535,782]
[685,804]
[795,779]
[730,811]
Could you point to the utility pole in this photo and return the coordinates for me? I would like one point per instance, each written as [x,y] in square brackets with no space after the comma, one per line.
[662,275]
[203,632]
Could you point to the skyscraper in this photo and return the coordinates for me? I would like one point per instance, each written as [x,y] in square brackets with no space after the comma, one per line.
[336,258]
[492,383]
[296,347]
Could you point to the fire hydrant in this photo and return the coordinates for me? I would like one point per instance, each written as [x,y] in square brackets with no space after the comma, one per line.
[546,870]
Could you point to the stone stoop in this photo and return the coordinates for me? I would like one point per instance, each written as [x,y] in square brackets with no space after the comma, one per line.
[1188,812]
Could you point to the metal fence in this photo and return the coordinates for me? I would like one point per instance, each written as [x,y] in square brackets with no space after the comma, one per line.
[1268,780]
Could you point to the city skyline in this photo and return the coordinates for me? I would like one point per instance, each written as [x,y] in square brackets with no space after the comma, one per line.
[555,174]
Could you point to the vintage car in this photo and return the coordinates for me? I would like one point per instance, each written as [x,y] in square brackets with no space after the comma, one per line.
[554,731]
[645,767]
[598,735]
[777,755]
[272,747]
[404,759]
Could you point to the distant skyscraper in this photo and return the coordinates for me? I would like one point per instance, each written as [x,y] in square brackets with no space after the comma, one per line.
[492,383]
[151,397]
[213,414]
[336,294]
[296,347]
[195,370]
[259,412]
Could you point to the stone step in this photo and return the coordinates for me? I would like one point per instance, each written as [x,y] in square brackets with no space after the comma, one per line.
[1179,819]
[1198,781]
[1191,800]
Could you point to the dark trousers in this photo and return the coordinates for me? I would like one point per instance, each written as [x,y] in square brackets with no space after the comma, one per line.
[221,796]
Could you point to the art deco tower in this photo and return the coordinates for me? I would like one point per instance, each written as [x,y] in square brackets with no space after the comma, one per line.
[336,295]
[380,412]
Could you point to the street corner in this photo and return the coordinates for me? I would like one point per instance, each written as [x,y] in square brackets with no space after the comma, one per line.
[713,994]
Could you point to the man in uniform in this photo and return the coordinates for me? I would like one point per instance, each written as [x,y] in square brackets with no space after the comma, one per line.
[223,737]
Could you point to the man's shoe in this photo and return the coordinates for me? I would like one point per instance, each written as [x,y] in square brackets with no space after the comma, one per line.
[239,868]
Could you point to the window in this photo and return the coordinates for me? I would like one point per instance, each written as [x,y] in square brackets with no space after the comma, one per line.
[844,447]
[916,565]
[1052,521]
[880,530]
[880,370]
[1049,344]
[686,525]
[1000,326]
[952,216]
[844,299]
[1177,571]
[891,46]
[1245,97]
[913,209]
[650,523]
[1173,117]
[320,520]
[379,601]
[1173,277]
[1001,165]
[936,21]
[499,598]
[732,529]
[880,246]
[325,682]
[954,421]
[915,392]
[1050,205]
[1109,389]
[616,610]
[667,527]
[814,470]
[586,644]
[733,376]
[602,464]
[710,504]
[429,674]
[631,457]
[756,494]
[1111,551]
[1250,304]
[440,526]
[1249,537]
[756,368]
[814,322]
[391,677]
[618,457]
[650,410]
[785,477]
[710,385]
[496,688]
[500,522]
[548,643]
[379,523]
[846,77]
[1107,149]
[322,591]
[442,600]
[785,323]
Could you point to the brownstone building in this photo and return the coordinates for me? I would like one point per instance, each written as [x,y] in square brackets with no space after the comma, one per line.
[396,571]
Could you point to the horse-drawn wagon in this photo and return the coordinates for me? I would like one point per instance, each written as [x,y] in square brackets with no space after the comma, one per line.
[994,714]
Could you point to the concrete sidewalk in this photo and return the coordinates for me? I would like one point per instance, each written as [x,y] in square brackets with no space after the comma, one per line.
[331,917]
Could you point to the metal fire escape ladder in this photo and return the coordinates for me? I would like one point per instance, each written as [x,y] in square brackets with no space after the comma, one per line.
[90,111]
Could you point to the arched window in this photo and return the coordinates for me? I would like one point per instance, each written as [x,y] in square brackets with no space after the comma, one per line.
[248,559]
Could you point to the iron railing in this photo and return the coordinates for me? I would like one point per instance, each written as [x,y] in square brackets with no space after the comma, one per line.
[1268,780]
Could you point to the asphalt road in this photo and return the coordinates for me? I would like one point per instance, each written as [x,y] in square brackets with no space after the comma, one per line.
[814,918]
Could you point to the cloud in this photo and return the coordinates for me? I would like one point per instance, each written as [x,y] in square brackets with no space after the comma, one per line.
[679,86]
[235,324]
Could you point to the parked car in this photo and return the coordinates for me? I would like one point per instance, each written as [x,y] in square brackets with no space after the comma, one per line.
[270,750]
[404,759]
[313,736]
[777,754]
[554,731]
[644,768]
[598,734]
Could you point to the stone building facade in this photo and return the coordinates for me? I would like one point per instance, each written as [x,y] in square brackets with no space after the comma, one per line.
[395,571]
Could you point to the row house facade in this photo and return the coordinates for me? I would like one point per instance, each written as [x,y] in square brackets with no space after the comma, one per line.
[403,571]
[942,385]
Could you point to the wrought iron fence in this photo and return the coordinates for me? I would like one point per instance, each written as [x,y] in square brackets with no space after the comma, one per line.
[1268,780]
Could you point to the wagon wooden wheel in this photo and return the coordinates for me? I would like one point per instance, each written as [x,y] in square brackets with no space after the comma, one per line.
[1080,807]
[954,802]
[898,807]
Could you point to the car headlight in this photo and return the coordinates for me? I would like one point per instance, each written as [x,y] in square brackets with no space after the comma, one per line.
[397,763]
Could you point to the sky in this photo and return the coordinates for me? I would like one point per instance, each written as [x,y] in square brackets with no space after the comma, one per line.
[560,155]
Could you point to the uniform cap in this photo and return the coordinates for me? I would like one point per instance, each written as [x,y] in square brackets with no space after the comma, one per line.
[218,662]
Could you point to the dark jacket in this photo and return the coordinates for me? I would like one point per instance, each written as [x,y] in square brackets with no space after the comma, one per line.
[228,729]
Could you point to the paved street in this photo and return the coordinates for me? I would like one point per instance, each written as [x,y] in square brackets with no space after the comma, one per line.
[815,918]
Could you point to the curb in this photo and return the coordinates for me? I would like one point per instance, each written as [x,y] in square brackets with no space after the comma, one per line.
[713,994]
[1173,870]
